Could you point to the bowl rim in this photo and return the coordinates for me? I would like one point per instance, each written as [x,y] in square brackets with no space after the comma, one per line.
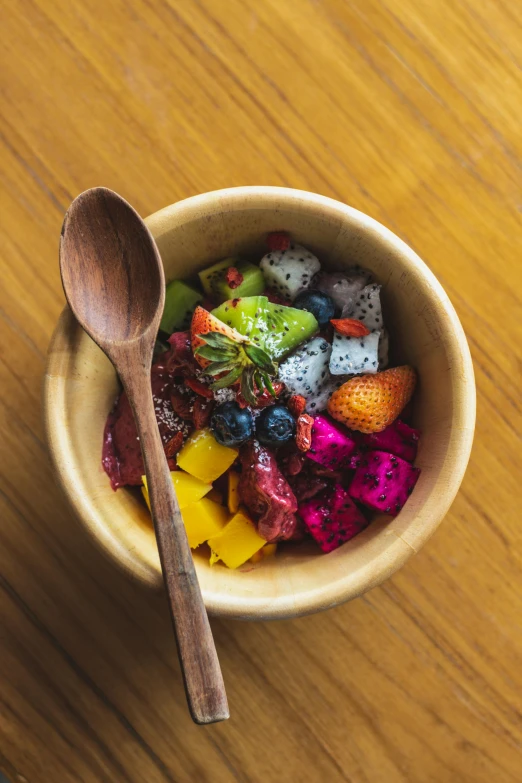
[313,600]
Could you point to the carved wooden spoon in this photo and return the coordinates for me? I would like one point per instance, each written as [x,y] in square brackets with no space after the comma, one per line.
[114,282]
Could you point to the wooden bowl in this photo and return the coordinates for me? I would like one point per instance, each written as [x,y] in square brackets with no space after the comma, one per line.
[81,386]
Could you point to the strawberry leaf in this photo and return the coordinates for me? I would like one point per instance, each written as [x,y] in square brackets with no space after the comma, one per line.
[258,379]
[268,384]
[227,380]
[218,340]
[260,358]
[215,354]
[247,387]
[215,368]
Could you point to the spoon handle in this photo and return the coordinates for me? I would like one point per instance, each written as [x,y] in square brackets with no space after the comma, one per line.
[202,676]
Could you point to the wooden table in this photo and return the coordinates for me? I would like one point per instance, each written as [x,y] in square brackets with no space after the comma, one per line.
[408,110]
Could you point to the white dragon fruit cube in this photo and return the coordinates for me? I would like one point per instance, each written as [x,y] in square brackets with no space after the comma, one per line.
[289,271]
[367,307]
[355,355]
[306,372]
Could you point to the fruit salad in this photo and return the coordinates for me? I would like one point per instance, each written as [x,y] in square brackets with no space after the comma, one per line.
[279,415]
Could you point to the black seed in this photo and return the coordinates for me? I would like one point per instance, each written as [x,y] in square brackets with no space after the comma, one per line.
[271,263]
[287,277]
[388,509]
[382,497]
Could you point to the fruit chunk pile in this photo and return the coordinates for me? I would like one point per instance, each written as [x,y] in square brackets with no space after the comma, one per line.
[277,410]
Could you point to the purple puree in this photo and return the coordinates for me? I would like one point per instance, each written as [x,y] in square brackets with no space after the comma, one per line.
[121,453]
[267,494]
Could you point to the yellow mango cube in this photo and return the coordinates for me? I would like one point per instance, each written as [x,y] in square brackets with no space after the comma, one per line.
[203,457]
[233,491]
[188,489]
[203,520]
[237,542]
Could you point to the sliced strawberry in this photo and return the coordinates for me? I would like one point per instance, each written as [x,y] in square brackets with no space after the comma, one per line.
[204,322]
[370,403]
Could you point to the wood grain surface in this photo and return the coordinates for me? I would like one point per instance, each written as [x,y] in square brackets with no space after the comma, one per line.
[408,110]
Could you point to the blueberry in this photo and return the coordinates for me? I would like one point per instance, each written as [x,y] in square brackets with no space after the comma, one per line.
[320,305]
[275,425]
[231,425]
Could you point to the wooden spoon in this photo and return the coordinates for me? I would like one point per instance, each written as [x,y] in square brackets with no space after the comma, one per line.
[114,283]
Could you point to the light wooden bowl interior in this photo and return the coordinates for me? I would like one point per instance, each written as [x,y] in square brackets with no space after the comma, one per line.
[81,386]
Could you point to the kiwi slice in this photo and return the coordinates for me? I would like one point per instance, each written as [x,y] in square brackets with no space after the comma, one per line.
[276,328]
[252,285]
[209,275]
[180,301]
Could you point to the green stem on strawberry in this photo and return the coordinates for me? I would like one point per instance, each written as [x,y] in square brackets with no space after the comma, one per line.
[238,360]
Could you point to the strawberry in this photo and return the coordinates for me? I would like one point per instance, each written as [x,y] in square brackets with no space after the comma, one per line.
[203,323]
[229,357]
[370,403]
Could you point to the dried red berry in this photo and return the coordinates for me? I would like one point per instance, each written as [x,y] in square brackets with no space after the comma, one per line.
[199,388]
[278,240]
[202,412]
[303,437]
[182,403]
[274,297]
[233,277]
[296,404]
[174,444]
[349,327]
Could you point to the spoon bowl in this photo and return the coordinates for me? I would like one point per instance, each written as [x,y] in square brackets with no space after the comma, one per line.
[116,285]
